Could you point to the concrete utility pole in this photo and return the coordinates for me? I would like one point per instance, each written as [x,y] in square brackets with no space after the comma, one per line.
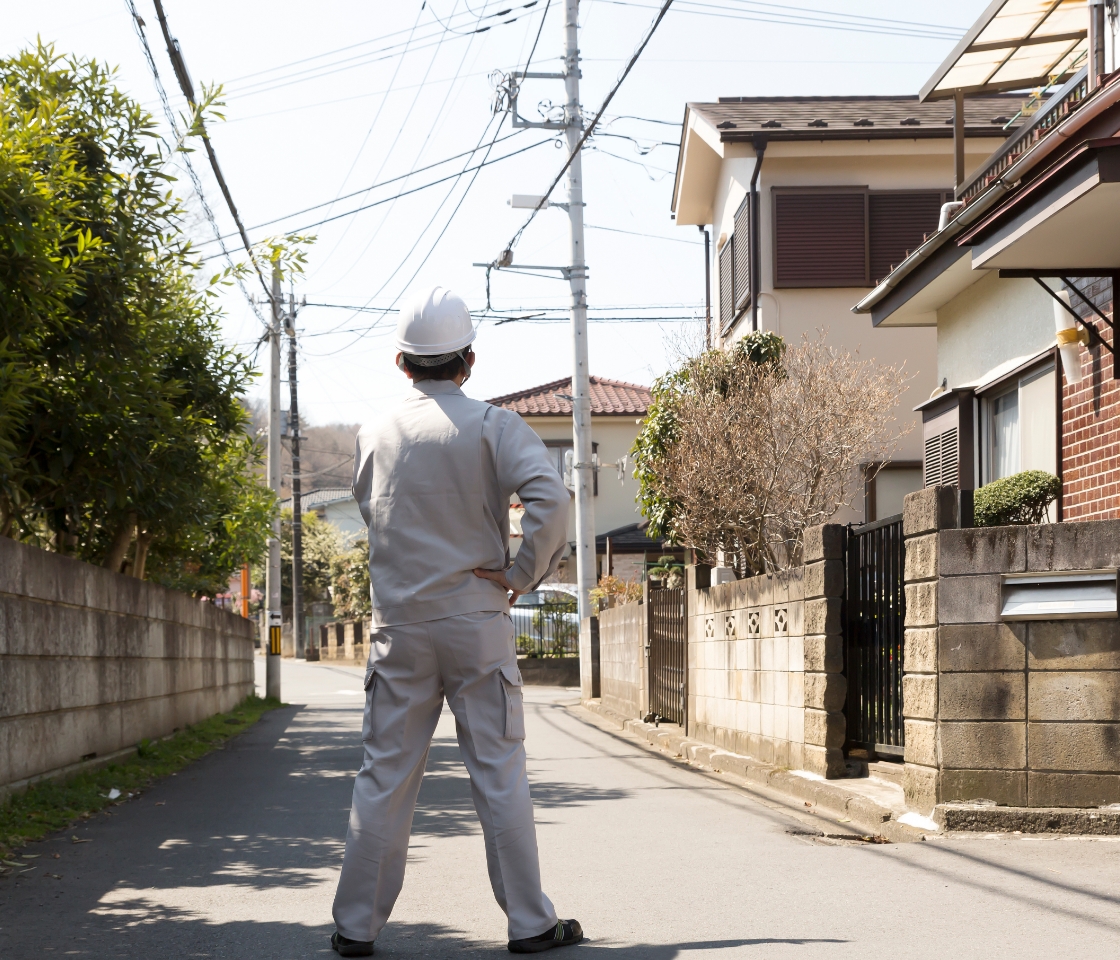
[297,506]
[272,585]
[584,477]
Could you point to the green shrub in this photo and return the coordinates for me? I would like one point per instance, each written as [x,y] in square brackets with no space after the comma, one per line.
[1021,498]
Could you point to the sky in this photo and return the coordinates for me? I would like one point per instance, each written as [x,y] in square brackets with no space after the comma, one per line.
[324,101]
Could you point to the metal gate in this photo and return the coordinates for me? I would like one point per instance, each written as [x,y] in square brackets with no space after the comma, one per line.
[668,654]
[874,614]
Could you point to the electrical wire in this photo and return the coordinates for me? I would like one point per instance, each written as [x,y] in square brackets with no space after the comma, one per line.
[651,236]
[397,196]
[196,183]
[174,53]
[374,186]
[598,116]
[932,32]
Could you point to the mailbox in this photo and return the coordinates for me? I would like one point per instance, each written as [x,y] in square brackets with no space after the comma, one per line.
[1069,595]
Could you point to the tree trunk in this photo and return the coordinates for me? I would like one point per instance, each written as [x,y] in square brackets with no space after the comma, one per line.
[121,543]
[143,542]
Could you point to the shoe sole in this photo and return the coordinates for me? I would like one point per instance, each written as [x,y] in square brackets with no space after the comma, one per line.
[352,949]
[542,946]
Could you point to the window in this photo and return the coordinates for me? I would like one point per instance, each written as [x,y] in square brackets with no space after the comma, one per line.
[897,224]
[742,255]
[847,237]
[941,456]
[1020,425]
[727,285]
[820,239]
[558,450]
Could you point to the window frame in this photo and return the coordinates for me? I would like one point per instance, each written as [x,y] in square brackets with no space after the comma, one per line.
[1011,382]
[570,445]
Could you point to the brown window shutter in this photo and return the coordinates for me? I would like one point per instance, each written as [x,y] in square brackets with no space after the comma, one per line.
[820,239]
[898,224]
[742,255]
[727,285]
[941,458]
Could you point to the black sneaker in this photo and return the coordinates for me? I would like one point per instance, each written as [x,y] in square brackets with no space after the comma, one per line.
[345,947]
[564,934]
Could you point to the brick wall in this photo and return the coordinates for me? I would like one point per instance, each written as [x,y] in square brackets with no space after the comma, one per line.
[1091,421]
[622,659]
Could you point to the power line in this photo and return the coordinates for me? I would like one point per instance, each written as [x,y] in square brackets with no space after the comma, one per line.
[602,109]
[181,74]
[403,193]
[831,21]
[138,25]
[375,186]
[651,236]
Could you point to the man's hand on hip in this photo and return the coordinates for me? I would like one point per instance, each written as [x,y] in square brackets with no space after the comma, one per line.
[499,577]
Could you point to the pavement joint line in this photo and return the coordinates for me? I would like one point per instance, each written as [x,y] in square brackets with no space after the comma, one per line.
[769,785]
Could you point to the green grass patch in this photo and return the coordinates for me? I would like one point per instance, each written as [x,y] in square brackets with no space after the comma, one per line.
[53,805]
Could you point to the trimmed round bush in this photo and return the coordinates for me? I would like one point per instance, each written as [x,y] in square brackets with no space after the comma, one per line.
[1021,498]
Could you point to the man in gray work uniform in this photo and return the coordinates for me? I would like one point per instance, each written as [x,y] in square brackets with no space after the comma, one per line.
[433,479]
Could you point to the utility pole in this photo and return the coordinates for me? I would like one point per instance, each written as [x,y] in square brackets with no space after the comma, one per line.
[577,278]
[272,585]
[297,506]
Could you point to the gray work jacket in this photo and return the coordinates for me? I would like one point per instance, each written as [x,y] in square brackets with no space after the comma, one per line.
[433,480]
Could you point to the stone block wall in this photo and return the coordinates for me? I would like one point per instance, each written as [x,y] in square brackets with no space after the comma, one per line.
[1022,714]
[622,659]
[92,662]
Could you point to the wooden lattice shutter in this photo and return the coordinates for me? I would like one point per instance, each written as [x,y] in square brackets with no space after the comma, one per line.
[742,254]
[899,223]
[820,239]
[727,285]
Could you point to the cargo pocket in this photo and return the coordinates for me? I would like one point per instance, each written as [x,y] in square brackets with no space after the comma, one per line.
[370,686]
[515,704]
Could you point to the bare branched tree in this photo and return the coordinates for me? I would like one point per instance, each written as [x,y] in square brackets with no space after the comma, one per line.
[765,444]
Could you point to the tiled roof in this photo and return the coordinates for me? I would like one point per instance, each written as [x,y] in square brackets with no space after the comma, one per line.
[855,118]
[608,398]
[319,498]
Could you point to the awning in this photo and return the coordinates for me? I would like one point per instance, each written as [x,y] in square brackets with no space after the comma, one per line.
[1065,220]
[1014,45]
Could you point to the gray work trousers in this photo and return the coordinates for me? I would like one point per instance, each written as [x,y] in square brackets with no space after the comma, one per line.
[471,660]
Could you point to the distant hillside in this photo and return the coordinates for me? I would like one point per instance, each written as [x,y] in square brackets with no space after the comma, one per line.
[326,456]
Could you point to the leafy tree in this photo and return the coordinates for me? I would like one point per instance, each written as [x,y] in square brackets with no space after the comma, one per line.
[122,437]
[350,582]
[322,542]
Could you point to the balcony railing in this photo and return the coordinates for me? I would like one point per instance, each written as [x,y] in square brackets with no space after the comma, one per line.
[1064,101]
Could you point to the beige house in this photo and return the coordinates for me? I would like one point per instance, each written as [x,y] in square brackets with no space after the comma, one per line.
[616,410]
[811,201]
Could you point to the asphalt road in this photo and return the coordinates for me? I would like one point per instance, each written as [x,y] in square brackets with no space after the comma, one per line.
[237,857]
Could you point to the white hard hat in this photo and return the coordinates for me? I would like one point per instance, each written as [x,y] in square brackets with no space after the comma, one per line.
[433,323]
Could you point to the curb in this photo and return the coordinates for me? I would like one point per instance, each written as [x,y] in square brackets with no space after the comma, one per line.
[866,815]
[989,818]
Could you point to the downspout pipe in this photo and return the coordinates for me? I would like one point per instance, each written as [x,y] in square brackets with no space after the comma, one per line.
[756,229]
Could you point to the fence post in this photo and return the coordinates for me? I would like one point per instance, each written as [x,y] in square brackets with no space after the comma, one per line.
[825,684]
[925,513]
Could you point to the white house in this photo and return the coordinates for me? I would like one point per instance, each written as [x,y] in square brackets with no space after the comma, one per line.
[336,505]
[811,201]
[617,408]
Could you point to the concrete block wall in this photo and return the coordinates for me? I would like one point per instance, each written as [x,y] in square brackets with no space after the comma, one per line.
[623,677]
[1022,714]
[766,658]
[92,662]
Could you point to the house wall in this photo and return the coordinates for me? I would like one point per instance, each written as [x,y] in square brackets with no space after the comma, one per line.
[347,517]
[1022,714]
[793,313]
[92,662]
[615,505]
[990,323]
[1091,425]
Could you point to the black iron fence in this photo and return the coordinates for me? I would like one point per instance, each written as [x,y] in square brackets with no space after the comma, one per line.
[546,625]
[874,614]
[668,654]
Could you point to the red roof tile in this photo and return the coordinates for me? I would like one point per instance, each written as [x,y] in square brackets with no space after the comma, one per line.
[608,398]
